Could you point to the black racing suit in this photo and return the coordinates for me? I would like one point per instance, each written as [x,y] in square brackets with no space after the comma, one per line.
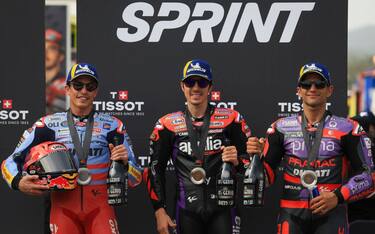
[343,144]
[196,209]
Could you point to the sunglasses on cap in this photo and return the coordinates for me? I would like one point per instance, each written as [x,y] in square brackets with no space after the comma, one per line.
[307,84]
[202,83]
[79,85]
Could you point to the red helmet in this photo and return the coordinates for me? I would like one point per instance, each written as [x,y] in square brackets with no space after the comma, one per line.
[54,165]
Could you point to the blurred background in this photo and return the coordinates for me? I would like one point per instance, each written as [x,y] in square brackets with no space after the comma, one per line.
[361,52]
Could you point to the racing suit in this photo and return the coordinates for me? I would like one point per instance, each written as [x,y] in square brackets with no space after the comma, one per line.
[84,209]
[343,144]
[196,209]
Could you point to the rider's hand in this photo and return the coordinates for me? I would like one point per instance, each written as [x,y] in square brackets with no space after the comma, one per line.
[163,221]
[323,203]
[255,145]
[28,185]
[119,152]
[229,154]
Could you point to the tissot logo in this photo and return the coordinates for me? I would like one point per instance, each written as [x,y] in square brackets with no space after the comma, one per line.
[215,96]
[216,100]
[234,22]
[123,95]
[8,115]
[7,104]
[120,104]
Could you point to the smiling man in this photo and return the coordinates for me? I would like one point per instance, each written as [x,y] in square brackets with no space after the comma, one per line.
[91,137]
[199,140]
[316,148]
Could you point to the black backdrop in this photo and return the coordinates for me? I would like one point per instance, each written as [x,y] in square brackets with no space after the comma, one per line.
[255,74]
[22,84]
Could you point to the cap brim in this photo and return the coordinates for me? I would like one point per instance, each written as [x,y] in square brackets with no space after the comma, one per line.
[198,75]
[85,74]
[316,72]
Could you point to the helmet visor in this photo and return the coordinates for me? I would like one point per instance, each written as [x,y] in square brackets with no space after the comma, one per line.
[57,162]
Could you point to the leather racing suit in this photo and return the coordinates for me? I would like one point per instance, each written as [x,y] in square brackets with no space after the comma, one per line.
[84,209]
[343,144]
[196,209]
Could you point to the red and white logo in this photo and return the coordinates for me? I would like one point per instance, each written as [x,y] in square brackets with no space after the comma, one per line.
[215,96]
[7,104]
[123,95]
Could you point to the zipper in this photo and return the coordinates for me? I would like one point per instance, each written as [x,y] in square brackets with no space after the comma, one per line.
[81,197]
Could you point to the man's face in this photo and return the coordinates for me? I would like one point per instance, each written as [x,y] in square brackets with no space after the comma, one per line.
[314,91]
[53,55]
[196,90]
[79,92]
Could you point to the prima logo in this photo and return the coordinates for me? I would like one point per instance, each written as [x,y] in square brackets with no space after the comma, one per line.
[139,15]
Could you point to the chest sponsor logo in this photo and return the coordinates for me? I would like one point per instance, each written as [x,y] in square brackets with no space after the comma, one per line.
[211,144]
[299,145]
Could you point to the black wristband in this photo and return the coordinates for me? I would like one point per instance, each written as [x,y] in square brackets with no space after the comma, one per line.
[16,181]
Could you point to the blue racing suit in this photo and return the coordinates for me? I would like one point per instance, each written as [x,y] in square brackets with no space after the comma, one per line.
[84,209]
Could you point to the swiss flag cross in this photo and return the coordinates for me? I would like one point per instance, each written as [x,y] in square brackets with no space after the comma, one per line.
[123,95]
[215,96]
[7,104]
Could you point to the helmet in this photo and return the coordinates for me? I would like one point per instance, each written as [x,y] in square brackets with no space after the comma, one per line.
[365,119]
[52,162]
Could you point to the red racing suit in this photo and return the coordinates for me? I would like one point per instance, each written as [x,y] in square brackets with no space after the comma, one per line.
[170,139]
[343,144]
[84,209]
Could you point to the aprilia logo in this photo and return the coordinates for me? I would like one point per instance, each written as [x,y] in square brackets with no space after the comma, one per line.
[250,15]
[210,145]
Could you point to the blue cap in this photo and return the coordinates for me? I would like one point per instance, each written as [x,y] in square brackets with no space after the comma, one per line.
[317,68]
[82,69]
[197,67]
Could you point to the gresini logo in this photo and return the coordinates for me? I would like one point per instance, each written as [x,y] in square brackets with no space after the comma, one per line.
[120,105]
[9,115]
[138,17]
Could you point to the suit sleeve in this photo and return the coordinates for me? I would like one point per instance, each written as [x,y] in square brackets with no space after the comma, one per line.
[357,147]
[11,167]
[160,153]
[134,169]
[238,133]
[273,152]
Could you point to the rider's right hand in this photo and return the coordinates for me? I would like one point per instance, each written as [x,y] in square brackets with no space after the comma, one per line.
[255,145]
[163,221]
[28,185]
